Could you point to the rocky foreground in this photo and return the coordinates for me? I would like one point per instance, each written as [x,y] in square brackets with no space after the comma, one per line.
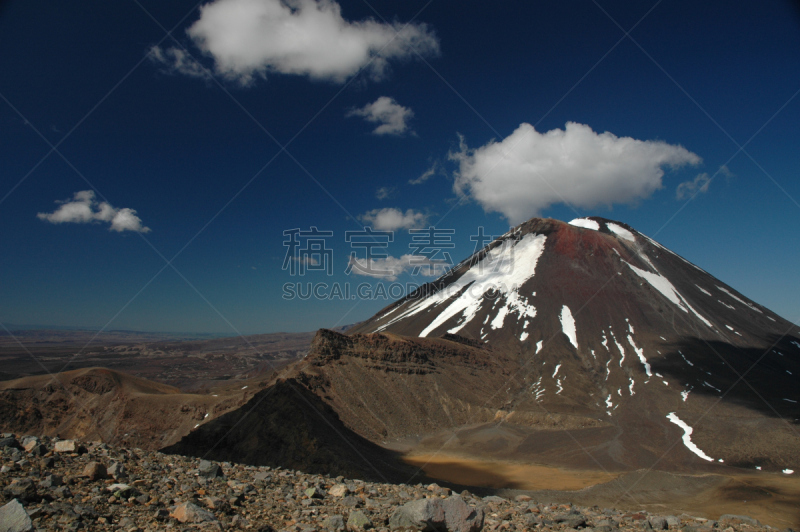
[50,484]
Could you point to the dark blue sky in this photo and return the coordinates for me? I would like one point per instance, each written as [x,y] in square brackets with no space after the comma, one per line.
[190,134]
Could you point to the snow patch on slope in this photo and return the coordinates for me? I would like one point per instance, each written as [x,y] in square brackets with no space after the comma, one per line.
[687,436]
[621,232]
[585,223]
[621,349]
[568,325]
[537,390]
[743,302]
[642,359]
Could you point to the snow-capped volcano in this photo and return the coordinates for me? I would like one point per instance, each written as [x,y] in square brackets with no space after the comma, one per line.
[589,266]
[609,328]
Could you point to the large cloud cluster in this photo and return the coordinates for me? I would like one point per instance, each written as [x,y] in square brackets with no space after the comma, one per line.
[253,38]
[528,171]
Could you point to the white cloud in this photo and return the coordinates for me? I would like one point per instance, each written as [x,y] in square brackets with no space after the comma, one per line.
[700,184]
[176,61]
[391,116]
[690,189]
[311,261]
[529,171]
[389,268]
[384,192]
[253,38]
[429,173]
[391,219]
[84,208]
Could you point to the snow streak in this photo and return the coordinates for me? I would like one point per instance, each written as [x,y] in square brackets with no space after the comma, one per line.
[568,325]
[687,436]
[662,284]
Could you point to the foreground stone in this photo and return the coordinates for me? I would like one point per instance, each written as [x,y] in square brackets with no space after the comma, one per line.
[209,469]
[54,491]
[451,514]
[94,471]
[339,490]
[460,517]
[190,513]
[14,518]
[423,514]
[68,446]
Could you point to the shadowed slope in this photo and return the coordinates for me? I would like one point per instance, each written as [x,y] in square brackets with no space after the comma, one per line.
[286,425]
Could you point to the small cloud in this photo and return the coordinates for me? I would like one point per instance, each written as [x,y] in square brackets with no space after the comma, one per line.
[248,39]
[390,268]
[391,219]
[391,116]
[529,171]
[307,260]
[690,189]
[435,168]
[700,184]
[384,192]
[176,61]
[84,208]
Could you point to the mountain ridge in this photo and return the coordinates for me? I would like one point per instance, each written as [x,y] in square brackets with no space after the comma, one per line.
[606,322]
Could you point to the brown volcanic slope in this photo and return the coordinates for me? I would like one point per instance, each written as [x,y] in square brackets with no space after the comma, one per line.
[264,422]
[105,405]
[653,335]
[319,415]
[387,387]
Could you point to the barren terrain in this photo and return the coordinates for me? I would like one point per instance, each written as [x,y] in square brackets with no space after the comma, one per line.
[772,498]
[189,363]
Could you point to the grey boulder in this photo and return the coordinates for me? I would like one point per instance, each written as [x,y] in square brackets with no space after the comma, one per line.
[431,514]
[334,523]
[209,469]
[14,518]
